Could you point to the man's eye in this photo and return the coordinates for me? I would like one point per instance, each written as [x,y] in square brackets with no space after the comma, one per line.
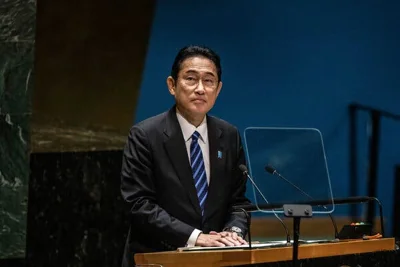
[209,82]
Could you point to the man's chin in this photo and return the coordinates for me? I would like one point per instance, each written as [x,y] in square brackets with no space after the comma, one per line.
[199,110]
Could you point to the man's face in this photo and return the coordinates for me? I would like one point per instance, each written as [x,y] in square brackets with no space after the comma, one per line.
[196,87]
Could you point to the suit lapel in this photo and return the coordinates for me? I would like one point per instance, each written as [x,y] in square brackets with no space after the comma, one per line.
[217,165]
[176,150]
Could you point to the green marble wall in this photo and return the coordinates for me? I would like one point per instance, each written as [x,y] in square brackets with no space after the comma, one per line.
[17,36]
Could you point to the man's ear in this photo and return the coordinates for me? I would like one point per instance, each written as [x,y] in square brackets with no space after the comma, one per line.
[219,87]
[171,85]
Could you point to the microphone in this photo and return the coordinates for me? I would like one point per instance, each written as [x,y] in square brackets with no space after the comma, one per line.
[273,171]
[245,172]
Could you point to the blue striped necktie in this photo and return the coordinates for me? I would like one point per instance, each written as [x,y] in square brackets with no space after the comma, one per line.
[199,171]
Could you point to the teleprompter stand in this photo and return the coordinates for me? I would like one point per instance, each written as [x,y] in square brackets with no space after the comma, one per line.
[297,212]
[303,210]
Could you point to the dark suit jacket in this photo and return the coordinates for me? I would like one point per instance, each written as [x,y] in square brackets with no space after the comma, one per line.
[157,183]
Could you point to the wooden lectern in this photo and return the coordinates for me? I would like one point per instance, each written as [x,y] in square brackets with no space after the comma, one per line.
[236,257]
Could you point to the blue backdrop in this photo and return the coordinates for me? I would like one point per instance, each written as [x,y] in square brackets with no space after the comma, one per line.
[291,64]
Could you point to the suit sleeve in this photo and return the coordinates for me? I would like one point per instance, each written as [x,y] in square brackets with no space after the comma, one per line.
[238,189]
[138,190]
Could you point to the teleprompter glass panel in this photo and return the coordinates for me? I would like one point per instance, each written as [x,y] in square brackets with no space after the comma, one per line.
[289,166]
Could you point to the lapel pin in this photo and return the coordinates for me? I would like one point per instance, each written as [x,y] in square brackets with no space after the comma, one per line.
[219,154]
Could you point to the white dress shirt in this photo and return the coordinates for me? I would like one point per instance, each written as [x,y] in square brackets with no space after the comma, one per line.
[187,130]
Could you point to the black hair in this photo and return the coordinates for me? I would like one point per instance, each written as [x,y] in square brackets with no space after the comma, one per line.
[195,51]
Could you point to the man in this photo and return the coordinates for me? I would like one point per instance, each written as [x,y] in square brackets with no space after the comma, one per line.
[180,170]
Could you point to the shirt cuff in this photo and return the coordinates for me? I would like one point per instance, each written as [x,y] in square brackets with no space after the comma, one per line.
[193,238]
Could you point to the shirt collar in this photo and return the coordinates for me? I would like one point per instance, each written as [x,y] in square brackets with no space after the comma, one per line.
[188,129]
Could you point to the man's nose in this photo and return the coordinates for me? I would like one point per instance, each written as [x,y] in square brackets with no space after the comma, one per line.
[200,88]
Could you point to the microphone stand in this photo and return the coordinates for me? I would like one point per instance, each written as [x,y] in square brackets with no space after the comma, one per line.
[262,195]
[273,171]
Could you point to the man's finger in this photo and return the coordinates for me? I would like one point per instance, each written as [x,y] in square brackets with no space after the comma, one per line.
[232,241]
[216,243]
[241,240]
[234,236]
[224,234]
[227,241]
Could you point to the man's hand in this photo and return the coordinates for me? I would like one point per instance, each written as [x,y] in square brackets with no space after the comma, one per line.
[223,239]
[231,235]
